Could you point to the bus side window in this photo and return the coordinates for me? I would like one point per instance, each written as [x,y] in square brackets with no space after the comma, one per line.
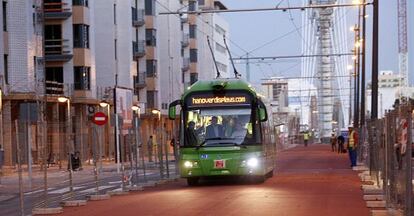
[258,128]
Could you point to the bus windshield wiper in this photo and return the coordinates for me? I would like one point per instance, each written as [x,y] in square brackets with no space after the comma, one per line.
[208,139]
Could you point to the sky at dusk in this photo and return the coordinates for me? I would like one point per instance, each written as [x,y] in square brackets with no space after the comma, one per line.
[249,31]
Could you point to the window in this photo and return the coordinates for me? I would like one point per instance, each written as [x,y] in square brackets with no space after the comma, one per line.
[193,31]
[4,16]
[152,99]
[222,67]
[150,7]
[134,14]
[193,78]
[201,2]
[151,37]
[220,48]
[212,126]
[115,14]
[192,5]
[193,55]
[82,78]
[80,36]
[220,30]
[54,74]
[151,68]
[6,69]
[84,3]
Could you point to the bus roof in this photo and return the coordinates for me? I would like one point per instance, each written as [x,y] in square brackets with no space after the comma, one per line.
[223,84]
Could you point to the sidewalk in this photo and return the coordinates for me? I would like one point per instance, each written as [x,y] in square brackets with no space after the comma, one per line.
[9,184]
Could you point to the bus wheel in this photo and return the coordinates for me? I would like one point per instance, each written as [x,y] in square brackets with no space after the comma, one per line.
[193,181]
[257,179]
[260,179]
[270,174]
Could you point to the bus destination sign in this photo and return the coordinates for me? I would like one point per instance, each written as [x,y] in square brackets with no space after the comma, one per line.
[218,100]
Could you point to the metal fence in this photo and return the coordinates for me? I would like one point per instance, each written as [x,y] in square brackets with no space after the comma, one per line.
[389,156]
[49,186]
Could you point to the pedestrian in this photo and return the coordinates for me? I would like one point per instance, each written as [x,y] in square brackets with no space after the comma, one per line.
[333,142]
[173,144]
[341,141]
[150,146]
[352,144]
[306,138]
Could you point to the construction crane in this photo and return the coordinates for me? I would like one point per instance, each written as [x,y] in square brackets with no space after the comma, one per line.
[402,44]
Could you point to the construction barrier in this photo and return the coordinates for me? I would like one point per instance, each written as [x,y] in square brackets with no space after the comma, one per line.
[389,157]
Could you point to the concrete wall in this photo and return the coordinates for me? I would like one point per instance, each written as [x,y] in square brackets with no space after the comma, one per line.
[22,46]
[104,38]
[169,46]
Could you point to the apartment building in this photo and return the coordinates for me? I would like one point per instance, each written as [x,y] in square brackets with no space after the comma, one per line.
[84,49]
[213,26]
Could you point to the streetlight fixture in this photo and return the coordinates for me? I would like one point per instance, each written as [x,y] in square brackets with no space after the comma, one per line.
[66,100]
[156,112]
[103,104]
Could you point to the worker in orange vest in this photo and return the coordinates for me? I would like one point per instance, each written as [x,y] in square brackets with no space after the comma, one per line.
[352,144]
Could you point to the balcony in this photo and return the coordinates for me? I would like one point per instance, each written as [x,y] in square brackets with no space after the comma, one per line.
[57,50]
[138,49]
[186,40]
[140,81]
[186,64]
[138,17]
[56,11]
[55,88]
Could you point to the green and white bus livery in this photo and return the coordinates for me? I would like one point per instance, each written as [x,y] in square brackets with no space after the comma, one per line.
[224,131]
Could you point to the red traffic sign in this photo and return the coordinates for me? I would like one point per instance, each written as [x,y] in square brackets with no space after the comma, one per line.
[100,118]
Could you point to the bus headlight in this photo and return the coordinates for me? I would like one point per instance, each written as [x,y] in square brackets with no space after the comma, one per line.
[188,164]
[252,162]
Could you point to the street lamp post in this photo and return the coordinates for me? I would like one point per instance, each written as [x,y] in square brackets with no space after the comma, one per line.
[136,112]
[68,142]
[106,104]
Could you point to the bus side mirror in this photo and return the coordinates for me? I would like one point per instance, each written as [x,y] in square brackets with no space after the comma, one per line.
[172,109]
[262,112]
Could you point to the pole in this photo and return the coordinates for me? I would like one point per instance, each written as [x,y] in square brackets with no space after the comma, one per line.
[136,146]
[29,146]
[247,68]
[1,133]
[95,158]
[364,13]
[118,156]
[69,145]
[166,149]
[374,93]
[43,107]
[19,167]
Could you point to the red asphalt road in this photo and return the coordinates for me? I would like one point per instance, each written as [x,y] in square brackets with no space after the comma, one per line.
[308,181]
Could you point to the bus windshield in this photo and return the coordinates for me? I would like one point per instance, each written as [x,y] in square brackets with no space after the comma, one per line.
[218,127]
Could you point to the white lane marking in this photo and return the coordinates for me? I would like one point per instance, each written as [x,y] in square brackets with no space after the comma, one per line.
[93,190]
[115,182]
[64,190]
[37,191]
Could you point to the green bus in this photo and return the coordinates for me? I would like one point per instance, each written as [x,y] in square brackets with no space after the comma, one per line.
[224,131]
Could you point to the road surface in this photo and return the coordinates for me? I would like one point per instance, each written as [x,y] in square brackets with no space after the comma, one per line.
[308,181]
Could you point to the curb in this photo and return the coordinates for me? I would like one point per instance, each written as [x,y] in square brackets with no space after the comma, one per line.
[47,211]
[74,203]
[98,197]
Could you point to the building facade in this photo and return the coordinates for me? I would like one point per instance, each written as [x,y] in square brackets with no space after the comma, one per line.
[121,52]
